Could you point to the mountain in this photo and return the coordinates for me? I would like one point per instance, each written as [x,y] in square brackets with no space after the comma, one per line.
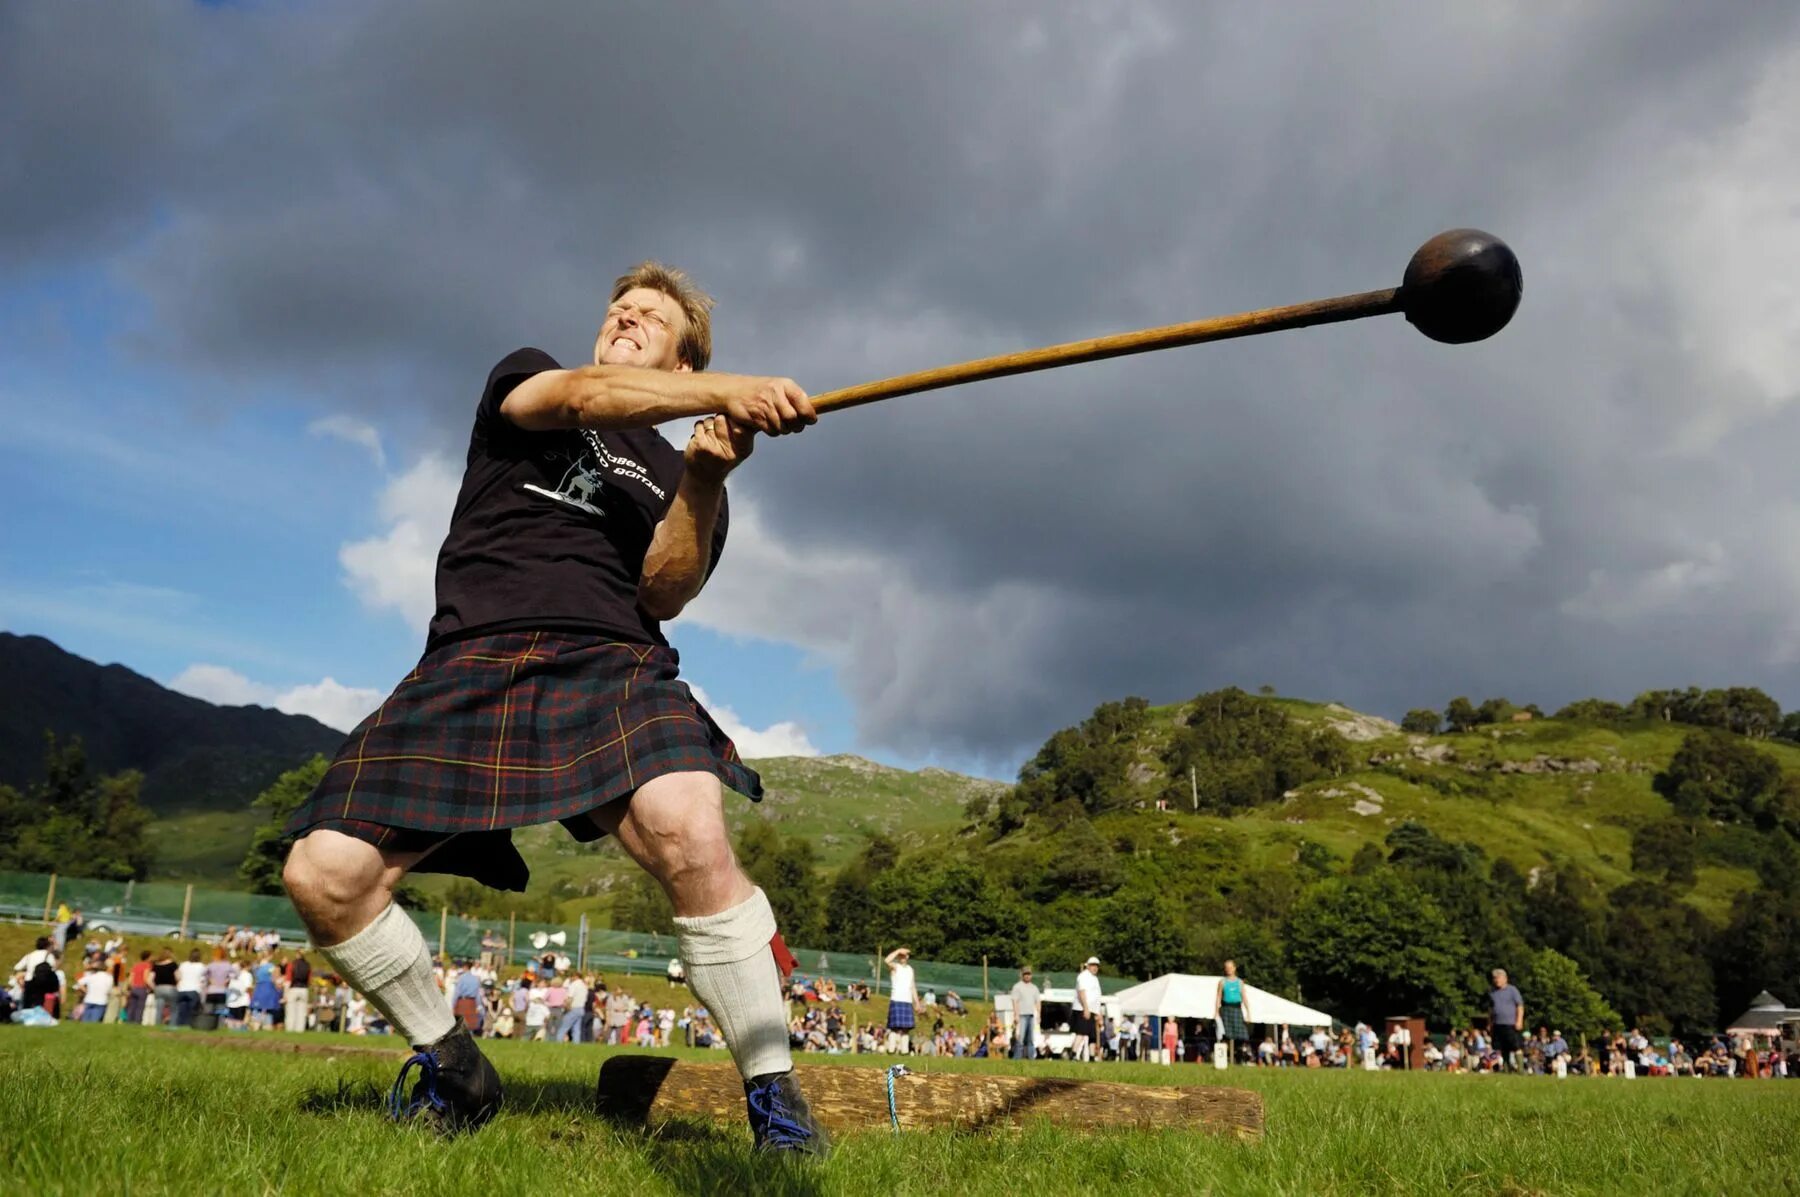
[195,756]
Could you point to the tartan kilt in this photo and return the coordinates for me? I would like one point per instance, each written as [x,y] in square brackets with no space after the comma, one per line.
[509,730]
[1231,1020]
[900,1016]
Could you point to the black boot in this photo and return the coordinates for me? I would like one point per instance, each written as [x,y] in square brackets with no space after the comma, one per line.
[458,1090]
[780,1119]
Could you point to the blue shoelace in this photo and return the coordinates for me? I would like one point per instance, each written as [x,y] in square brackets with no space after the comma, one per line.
[769,1111]
[893,1108]
[399,1107]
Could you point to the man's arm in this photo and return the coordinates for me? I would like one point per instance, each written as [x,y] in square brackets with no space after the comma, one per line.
[680,552]
[620,397]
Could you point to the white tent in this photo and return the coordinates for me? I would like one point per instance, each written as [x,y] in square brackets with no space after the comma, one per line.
[1183,995]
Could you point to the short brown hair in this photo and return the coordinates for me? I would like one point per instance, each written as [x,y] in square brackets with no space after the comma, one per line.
[695,347]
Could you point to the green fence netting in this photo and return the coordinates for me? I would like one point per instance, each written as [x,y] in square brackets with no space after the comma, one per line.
[164,908]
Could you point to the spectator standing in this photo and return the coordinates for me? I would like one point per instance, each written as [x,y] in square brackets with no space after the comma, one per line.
[137,990]
[96,986]
[265,998]
[1231,1012]
[162,986]
[618,1012]
[190,988]
[1087,1009]
[237,997]
[1028,1015]
[1171,1039]
[218,980]
[537,1014]
[576,1000]
[465,999]
[298,996]
[1506,1019]
[903,996]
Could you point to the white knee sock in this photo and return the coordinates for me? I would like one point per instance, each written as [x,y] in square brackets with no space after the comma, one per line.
[731,967]
[388,963]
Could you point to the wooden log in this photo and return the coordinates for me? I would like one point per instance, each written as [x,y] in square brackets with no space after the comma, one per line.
[646,1090]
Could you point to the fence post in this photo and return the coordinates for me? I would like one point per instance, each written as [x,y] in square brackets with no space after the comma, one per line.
[509,938]
[984,983]
[876,969]
[187,904]
[443,931]
[49,899]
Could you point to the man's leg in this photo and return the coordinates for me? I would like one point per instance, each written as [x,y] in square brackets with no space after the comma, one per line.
[342,888]
[674,828]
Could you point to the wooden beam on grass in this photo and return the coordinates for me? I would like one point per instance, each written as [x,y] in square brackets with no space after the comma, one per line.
[643,1090]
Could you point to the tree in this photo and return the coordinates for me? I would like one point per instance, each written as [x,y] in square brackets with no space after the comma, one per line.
[641,905]
[1758,949]
[785,867]
[1665,850]
[1141,933]
[1655,963]
[1421,721]
[950,912]
[1460,714]
[1566,910]
[1239,752]
[1090,763]
[1376,945]
[1494,710]
[849,908]
[262,864]
[1593,710]
[1717,776]
[74,823]
[1558,995]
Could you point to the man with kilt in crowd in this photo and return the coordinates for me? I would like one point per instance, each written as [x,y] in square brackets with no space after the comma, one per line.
[1231,1013]
[548,692]
[903,1000]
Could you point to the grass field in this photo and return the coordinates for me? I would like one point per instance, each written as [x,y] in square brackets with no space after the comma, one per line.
[92,1109]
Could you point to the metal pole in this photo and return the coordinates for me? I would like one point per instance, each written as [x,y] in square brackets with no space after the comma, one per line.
[443,929]
[1194,785]
[509,939]
[49,899]
[984,979]
[187,904]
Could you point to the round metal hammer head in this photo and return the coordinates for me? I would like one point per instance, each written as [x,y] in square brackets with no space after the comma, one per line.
[1463,285]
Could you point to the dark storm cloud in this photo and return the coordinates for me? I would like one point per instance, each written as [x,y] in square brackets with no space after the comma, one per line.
[399,193]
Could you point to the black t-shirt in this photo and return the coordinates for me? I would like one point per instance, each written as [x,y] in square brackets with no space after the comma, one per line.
[301,973]
[162,972]
[551,528]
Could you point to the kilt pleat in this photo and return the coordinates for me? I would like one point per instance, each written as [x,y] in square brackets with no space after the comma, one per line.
[900,1016]
[509,730]
[1231,1021]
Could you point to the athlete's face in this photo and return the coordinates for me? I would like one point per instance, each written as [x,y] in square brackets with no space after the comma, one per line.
[643,327]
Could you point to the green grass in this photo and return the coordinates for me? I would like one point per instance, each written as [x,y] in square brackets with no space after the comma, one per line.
[115,1109]
[203,846]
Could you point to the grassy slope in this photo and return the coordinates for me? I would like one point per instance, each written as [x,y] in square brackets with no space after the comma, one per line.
[187,1114]
[1531,820]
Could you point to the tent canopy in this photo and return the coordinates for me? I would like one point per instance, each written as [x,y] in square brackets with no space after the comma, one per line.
[1185,995]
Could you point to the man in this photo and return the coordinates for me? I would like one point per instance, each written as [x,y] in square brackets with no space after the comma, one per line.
[190,988]
[1232,1028]
[903,996]
[1087,1016]
[575,1001]
[465,998]
[548,692]
[1506,1019]
[1028,1015]
[96,985]
[297,998]
[219,972]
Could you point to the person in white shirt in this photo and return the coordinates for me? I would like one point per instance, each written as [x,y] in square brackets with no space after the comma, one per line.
[96,987]
[190,988]
[537,1013]
[903,995]
[1087,1013]
[575,1017]
[237,997]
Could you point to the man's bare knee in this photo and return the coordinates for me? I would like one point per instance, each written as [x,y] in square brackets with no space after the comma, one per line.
[337,883]
[674,827]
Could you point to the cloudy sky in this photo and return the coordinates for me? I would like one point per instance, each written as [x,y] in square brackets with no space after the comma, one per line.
[256,260]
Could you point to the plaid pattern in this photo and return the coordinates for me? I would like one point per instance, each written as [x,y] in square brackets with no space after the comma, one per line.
[510,730]
[1231,1019]
[900,1016]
